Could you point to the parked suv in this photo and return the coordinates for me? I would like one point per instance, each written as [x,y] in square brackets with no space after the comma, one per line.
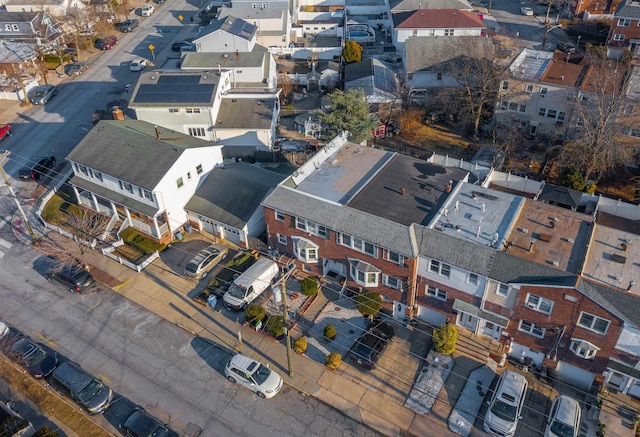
[564,418]
[369,346]
[204,261]
[106,43]
[506,404]
[75,278]
[36,171]
[255,376]
[128,26]
[38,362]
[91,393]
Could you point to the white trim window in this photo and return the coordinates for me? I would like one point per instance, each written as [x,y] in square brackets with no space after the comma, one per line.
[593,323]
[282,239]
[531,329]
[312,227]
[279,216]
[619,37]
[363,273]
[624,22]
[472,279]
[441,269]
[436,292]
[543,92]
[305,250]
[538,303]
[391,282]
[583,348]
[394,257]
[200,132]
[357,244]
[502,289]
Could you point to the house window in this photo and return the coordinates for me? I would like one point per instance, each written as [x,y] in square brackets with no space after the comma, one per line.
[437,293]
[97,175]
[197,132]
[125,186]
[505,85]
[628,109]
[543,92]
[542,112]
[522,108]
[513,106]
[147,194]
[363,273]
[539,303]
[305,250]
[552,113]
[179,182]
[583,348]
[189,175]
[392,282]
[173,110]
[192,110]
[472,279]
[311,227]
[624,22]
[395,257]
[279,216]
[502,290]
[618,37]
[594,323]
[438,76]
[562,116]
[199,168]
[440,268]
[282,239]
[448,32]
[531,329]
[357,244]
[529,89]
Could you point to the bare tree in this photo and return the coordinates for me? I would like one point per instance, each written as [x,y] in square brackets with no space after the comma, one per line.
[284,83]
[602,116]
[478,77]
[86,227]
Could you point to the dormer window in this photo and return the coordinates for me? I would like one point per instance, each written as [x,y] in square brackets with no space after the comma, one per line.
[583,348]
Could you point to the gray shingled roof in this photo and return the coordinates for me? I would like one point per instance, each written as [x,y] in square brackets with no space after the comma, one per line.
[627,11]
[427,53]
[381,232]
[623,305]
[129,150]
[232,194]
[561,195]
[233,25]
[230,59]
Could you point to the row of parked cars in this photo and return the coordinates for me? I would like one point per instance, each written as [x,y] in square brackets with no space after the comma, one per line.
[68,378]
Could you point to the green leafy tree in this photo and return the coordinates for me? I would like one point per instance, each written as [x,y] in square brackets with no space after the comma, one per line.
[309,286]
[255,313]
[574,179]
[369,303]
[352,52]
[445,338]
[347,112]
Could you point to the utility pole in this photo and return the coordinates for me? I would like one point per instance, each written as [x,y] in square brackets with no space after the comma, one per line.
[283,289]
[15,198]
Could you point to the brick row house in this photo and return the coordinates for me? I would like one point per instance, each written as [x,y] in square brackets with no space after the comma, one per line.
[624,33]
[438,247]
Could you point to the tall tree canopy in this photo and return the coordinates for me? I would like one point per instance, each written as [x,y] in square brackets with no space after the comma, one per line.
[347,112]
[352,52]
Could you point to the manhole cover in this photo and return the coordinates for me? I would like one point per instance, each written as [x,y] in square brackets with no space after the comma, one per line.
[350,331]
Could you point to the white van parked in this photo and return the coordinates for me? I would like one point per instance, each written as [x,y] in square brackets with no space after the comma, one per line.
[251,283]
[506,404]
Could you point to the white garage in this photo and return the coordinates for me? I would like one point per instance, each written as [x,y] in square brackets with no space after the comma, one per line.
[574,375]
[431,316]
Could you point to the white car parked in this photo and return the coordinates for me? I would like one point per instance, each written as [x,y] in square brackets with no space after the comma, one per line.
[138,65]
[147,10]
[255,376]
[526,11]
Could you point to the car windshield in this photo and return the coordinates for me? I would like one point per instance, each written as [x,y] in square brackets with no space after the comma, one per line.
[561,429]
[36,357]
[191,267]
[40,93]
[90,390]
[261,375]
[504,411]
[237,291]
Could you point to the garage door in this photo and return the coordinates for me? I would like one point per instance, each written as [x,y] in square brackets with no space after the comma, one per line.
[207,225]
[431,316]
[574,375]
[231,234]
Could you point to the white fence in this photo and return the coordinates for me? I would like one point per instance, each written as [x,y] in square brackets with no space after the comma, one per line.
[513,182]
[108,251]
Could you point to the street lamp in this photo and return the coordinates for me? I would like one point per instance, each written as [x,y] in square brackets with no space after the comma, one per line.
[546,33]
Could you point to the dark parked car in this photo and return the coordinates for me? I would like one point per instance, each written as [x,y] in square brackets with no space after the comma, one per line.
[75,382]
[566,47]
[106,43]
[177,45]
[34,358]
[369,346]
[42,94]
[75,68]
[38,169]
[141,424]
[75,278]
[128,26]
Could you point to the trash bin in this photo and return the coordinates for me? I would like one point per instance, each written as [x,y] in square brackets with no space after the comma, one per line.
[212,300]
[188,228]
[178,236]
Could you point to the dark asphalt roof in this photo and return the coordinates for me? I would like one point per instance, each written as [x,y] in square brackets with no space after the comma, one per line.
[560,195]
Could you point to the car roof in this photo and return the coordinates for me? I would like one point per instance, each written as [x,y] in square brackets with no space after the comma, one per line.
[244,362]
[567,408]
[511,387]
[142,423]
[72,375]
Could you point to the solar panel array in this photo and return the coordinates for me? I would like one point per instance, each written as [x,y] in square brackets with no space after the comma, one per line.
[241,28]
[176,89]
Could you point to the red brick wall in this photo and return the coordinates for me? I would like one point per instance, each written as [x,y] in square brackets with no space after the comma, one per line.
[328,248]
[565,313]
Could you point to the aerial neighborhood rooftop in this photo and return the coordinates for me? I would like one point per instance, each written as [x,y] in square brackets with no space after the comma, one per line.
[450,167]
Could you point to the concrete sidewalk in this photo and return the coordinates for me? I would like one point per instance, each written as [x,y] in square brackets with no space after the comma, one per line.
[165,293]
